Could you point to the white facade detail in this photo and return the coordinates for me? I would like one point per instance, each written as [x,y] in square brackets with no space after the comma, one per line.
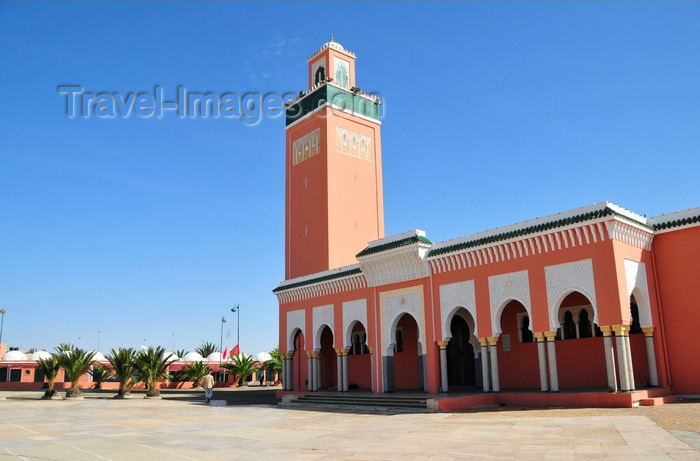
[393,305]
[322,316]
[505,288]
[636,276]
[563,279]
[454,296]
[397,264]
[296,320]
[353,311]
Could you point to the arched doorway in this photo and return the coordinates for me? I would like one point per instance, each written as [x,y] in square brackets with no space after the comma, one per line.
[461,368]
[328,363]
[300,367]
[406,354]
[517,352]
[359,366]
[579,345]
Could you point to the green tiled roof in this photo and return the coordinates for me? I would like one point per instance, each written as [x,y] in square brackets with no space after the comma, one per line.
[355,103]
[676,223]
[394,244]
[607,211]
[323,278]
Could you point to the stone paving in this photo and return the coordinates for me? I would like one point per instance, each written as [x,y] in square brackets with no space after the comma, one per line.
[147,429]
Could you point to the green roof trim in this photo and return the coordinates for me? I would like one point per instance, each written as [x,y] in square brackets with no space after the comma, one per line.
[607,211]
[395,244]
[675,223]
[355,103]
[323,278]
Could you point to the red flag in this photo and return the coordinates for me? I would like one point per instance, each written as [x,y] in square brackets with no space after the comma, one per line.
[223,356]
[235,350]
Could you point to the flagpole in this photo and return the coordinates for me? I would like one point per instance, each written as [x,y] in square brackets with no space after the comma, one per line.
[221,343]
[237,310]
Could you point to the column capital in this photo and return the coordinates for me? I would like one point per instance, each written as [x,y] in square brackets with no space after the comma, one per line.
[484,341]
[648,331]
[442,344]
[539,336]
[620,330]
[493,340]
[550,335]
[370,350]
[606,330]
[310,355]
[339,352]
[345,351]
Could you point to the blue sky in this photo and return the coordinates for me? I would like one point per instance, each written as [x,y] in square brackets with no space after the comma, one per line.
[151,229]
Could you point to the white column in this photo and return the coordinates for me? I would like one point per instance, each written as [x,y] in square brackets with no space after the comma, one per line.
[630,366]
[443,366]
[284,372]
[290,371]
[651,356]
[485,368]
[339,361]
[317,370]
[493,354]
[344,357]
[621,357]
[542,361]
[310,385]
[609,358]
[552,361]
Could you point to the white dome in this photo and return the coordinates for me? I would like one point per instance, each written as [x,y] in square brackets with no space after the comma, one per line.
[214,357]
[98,357]
[13,355]
[40,355]
[172,357]
[262,357]
[192,357]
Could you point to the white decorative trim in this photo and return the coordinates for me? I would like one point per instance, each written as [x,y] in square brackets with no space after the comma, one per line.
[676,216]
[296,320]
[454,296]
[395,303]
[396,264]
[636,277]
[306,146]
[563,279]
[314,290]
[505,288]
[629,233]
[337,107]
[353,311]
[322,317]
[354,144]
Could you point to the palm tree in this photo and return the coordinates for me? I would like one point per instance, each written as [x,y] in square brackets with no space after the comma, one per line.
[63,347]
[49,367]
[100,374]
[151,365]
[275,362]
[195,372]
[122,360]
[206,349]
[242,366]
[75,364]
[180,353]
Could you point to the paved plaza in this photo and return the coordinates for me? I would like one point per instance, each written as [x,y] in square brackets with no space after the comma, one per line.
[97,427]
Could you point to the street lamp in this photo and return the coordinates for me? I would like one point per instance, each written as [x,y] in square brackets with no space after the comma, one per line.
[237,310]
[2,323]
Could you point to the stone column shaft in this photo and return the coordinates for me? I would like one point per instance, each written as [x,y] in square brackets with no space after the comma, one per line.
[310,384]
[621,357]
[552,361]
[542,361]
[651,356]
[485,365]
[630,366]
[493,354]
[317,371]
[609,358]
[344,357]
[284,373]
[443,366]
[339,361]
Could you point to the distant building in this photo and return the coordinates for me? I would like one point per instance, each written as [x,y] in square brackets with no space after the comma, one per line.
[595,297]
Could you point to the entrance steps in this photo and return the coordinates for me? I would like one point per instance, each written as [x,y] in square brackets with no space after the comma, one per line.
[364,402]
[654,397]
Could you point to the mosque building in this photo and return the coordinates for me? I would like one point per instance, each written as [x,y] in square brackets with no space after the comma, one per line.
[597,297]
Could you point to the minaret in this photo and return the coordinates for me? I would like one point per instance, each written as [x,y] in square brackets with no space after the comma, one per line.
[334,203]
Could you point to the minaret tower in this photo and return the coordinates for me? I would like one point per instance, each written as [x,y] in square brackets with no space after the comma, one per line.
[334,203]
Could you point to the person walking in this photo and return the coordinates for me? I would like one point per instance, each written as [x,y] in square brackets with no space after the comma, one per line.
[208,384]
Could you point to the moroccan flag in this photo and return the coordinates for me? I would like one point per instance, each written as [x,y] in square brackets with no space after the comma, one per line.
[223,356]
[235,350]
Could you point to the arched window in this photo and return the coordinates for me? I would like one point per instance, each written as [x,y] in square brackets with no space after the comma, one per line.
[525,332]
[569,327]
[399,340]
[584,325]
[636,327]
